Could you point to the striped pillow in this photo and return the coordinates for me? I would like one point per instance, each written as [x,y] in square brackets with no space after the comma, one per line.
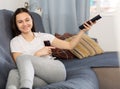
[86,47]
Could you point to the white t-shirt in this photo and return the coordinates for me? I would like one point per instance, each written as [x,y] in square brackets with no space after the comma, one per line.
[19,44]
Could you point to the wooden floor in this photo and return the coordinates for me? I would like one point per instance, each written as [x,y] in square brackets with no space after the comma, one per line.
[109,78]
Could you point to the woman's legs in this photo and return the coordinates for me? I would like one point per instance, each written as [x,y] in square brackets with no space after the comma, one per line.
[26,71]
[14,80]
[48,69]
[38,82]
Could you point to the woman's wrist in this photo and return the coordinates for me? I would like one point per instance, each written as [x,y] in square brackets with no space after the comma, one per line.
[37,54]
[85,30]
[82,31]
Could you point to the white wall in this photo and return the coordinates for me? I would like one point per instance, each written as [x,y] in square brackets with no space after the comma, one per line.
[11,4]
[106,31]
[117,25]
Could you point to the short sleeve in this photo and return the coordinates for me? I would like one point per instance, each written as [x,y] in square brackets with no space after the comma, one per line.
[15,46]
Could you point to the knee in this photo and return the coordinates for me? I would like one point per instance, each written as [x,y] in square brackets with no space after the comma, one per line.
[57,72]
[61,70]
[22,58]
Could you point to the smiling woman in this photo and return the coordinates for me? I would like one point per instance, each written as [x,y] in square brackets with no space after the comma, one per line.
[30,54]
[24,22]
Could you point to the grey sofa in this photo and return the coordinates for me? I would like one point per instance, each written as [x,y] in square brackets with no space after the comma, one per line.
[81,74]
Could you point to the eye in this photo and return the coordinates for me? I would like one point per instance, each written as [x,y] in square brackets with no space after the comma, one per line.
[19,21]
[27,20]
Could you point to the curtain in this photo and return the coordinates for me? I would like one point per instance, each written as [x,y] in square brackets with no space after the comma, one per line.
[60,16]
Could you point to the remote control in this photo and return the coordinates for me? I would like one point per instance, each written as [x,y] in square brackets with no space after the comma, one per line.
[47,43]
[93,20]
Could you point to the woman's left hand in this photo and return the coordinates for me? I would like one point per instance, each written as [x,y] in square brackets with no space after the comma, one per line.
[88,25]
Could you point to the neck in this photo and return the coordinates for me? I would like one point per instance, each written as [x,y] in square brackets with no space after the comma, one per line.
[28,36]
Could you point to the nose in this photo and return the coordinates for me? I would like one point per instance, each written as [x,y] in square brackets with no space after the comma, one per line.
[24,23]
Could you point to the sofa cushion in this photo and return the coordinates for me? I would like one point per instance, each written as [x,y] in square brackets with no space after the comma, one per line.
[6,62]
[5,29]
[38,22]
[86,47]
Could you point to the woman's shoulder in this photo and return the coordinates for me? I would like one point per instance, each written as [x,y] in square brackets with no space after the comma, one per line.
[41,34]
[16,38]
[45,36]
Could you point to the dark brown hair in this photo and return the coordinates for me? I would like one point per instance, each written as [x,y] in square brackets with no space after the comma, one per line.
[15,29]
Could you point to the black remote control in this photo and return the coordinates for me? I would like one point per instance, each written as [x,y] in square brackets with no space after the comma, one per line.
[47,43]
[93,20]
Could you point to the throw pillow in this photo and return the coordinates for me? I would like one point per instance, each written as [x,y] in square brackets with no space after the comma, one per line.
[62,53]
[86,47]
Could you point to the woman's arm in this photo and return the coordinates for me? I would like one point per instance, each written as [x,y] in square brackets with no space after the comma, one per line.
[62,44]
[41,52]
[70,45]
[44,51]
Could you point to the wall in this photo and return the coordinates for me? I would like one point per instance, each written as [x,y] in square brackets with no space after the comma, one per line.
[106,31]
[117,26]
[11,4]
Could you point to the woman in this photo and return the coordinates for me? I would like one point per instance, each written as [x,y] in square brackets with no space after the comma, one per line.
[32,57]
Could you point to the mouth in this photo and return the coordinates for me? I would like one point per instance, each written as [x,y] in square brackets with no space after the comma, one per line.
[26,28]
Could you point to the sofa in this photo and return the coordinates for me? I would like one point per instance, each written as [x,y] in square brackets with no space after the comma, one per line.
[95,72]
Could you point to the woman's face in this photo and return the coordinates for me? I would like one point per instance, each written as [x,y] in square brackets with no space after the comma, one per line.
[24,22]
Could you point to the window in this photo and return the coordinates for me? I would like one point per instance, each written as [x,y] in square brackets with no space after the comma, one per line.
[103,6]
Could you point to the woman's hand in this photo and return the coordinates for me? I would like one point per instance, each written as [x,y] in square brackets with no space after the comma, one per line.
[47,50]
[88,26]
